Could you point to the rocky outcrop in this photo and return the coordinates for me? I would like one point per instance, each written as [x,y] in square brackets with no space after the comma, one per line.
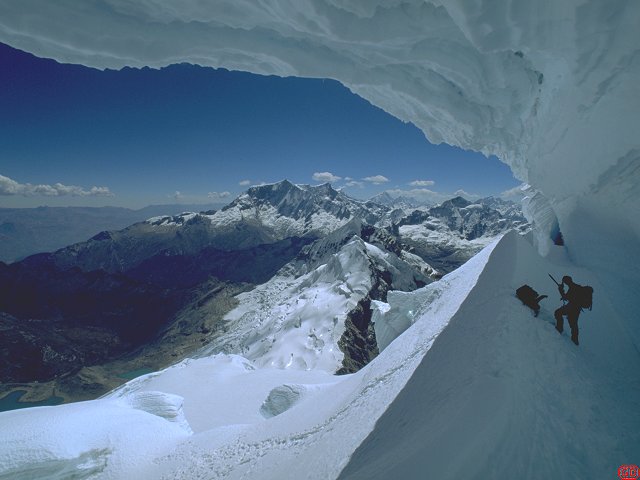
[358,343]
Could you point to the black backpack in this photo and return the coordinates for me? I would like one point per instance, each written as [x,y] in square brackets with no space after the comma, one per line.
[584,296]
[526,294]
[529,297]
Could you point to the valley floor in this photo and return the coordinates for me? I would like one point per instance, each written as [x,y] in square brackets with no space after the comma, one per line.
[197,323]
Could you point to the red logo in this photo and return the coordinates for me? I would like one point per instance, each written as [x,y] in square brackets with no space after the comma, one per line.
[628,472]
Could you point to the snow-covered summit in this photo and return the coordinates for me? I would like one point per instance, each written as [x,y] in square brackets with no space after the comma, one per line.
[450,233]
[402,201]
[286,209]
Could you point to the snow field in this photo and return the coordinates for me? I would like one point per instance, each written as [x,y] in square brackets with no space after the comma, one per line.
[475,386]
[296,321]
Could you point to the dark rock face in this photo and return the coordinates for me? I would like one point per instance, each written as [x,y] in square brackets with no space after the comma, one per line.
[382,238]
[84,298]
[122,250]
[40,350]
[154,284]
[358,343]
[253,265]
[189,235]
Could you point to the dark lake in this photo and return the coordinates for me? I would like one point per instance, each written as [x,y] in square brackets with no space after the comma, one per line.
[12,401]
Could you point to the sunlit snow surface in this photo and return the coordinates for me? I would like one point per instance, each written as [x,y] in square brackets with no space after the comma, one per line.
[474,387]
[296,321]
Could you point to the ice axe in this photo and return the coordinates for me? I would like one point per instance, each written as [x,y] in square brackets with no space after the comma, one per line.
[560,286]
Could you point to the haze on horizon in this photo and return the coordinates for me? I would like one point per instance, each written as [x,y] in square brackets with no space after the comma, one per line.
[76,136]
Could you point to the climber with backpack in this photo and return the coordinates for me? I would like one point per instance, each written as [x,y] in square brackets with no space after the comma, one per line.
[575,299]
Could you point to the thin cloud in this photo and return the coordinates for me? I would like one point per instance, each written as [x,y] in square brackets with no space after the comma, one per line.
[376,179]
[176,195]
[244,183]
[325,177]
[9,186]
[354,183]
[218,195]
[422,183]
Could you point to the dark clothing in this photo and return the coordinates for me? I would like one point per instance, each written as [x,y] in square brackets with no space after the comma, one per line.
[571,310]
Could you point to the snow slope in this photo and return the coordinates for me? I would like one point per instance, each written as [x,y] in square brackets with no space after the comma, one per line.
[97,439]
[296,319]
[502,395]
[475,387]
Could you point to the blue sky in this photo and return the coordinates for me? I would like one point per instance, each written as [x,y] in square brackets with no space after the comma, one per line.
[146,134]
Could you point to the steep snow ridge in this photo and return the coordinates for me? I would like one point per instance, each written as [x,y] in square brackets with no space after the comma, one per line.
[330,423]
[404,308]
[505,394]
[296,319]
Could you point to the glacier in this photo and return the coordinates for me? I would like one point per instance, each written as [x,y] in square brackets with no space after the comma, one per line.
[473,385]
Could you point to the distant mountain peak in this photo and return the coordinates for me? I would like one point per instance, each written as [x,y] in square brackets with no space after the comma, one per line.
[382,199]
[458,202]
[326,188]
[299,210]
[270,189]
[395,201]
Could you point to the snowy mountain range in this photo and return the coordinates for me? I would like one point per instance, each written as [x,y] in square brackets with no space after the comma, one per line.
[270,213]
[294,241]
[449,234]
[27,231]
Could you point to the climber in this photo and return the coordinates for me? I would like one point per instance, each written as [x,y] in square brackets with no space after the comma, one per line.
[577,297]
